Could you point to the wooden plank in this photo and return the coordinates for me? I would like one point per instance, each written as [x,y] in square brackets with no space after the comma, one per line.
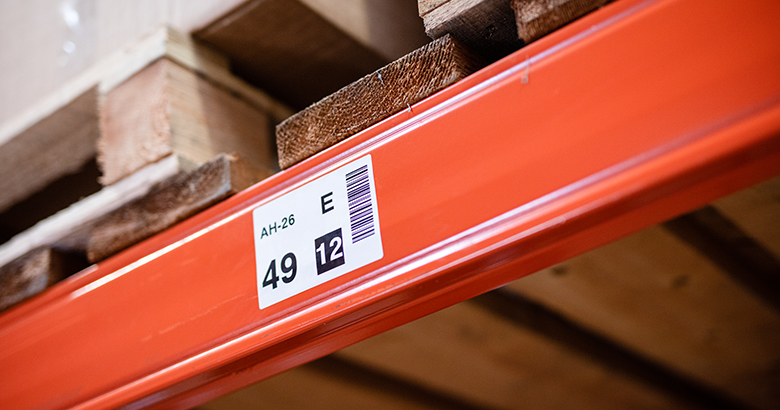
[31,144]
[485,26]
[44,203]
[70,228]
[135,208]
[166,109]
[657,296]
[426,6]
[286,48]
[365,377]
[187,52]
[36,65]
[536,18]
[226,97]
[170,202]
[33,272]
[34,158]
[756,211]
[468,352]
[372,98]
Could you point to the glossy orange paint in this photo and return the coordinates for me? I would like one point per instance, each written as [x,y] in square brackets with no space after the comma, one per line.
[632,115]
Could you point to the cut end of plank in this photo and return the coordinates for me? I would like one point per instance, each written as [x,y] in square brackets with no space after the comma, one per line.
[374,97]
[537,18]
[170,202]
[485,26]
[35,271]
[135,126]
[166,108]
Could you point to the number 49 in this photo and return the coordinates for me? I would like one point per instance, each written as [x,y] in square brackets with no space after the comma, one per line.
[289,265]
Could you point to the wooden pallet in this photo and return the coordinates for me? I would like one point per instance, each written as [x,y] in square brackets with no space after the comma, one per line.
[155,115]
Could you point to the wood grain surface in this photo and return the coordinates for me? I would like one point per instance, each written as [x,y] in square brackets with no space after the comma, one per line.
[169,202]
[70,227]
[535,18]
[35,271]
[426,6]
[485,26]
[36,157]
[372,98]
[165,109]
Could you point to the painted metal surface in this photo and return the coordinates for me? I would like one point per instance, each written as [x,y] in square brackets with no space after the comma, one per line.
[632,115]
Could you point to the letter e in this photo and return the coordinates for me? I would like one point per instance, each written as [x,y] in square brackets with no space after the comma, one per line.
[326,201]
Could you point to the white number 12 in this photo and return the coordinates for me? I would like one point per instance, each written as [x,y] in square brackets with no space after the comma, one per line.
[335,244]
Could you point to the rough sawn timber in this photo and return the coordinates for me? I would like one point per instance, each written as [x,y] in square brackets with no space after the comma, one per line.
[485,26]
[169,202]
[426,6]
[32,142]
[69,229]
[536,18]
[167,109]
[33,272]
[33,158]
[372,98]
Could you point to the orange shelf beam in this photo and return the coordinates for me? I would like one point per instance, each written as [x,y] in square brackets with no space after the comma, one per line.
[632,115]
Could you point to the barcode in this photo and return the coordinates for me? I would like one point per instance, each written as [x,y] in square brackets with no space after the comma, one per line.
[361,214]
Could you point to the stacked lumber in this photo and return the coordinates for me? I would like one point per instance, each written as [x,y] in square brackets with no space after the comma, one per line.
[494,28]
[172,132]
[169,202]
[372,98]
[165,119]
[466,34]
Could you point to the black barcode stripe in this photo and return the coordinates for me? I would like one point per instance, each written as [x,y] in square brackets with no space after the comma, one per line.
[360,209]
[360,202]
[360,214]
[362,224]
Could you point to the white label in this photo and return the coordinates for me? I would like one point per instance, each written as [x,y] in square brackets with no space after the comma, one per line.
[316,233]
